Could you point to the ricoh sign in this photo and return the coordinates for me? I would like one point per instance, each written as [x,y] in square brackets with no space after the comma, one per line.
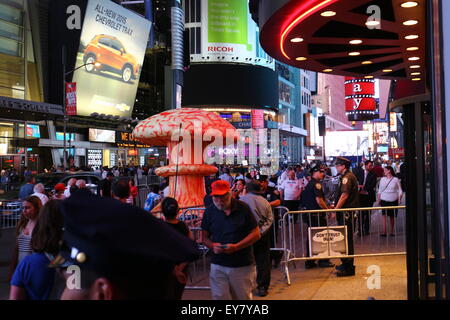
[228,33]
[221,49]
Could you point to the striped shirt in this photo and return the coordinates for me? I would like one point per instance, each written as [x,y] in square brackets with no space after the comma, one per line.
[24,244]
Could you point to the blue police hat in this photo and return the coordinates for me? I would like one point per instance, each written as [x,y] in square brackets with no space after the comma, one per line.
[107,236]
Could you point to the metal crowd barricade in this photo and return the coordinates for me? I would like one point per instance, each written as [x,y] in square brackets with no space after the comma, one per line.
[371,245]
[192,217]
[277,229]
[10,211]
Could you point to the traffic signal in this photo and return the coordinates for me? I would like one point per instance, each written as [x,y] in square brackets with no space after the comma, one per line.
[322,126]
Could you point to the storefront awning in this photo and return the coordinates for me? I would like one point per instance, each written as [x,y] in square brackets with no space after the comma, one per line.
[365,38]
[28,110]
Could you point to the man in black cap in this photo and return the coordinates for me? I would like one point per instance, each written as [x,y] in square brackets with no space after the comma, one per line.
[313,198]
[347,196]
[121,251]
[262,211]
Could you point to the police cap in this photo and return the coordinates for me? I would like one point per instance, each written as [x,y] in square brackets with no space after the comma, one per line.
[343,161]
[315,169]
[113,238]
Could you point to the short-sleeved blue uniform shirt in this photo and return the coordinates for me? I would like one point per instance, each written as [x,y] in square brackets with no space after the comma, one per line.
[34,275]
[230,229]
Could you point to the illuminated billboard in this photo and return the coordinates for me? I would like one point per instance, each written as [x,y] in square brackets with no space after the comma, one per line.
[224,32]
[99,135]
[347,143]
[33,131]
[112,49]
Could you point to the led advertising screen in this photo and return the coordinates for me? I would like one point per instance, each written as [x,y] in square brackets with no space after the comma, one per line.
[99,135]
[69,136]
[33,131]
[228,33]
[112,49]
[346,143]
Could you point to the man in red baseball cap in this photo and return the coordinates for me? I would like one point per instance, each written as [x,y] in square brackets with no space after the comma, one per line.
[229,230]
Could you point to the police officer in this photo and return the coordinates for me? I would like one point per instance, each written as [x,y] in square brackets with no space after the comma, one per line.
[313,198]
[112,250]
[347,196]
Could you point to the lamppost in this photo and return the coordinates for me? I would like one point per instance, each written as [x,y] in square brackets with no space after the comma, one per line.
[64,99]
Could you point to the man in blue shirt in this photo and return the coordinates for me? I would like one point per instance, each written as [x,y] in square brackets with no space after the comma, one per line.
[27,189]
[229,230]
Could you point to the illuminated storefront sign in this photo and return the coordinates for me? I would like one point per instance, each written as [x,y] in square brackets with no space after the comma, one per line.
[360,103]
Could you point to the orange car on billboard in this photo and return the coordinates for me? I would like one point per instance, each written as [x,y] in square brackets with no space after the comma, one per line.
[107,53]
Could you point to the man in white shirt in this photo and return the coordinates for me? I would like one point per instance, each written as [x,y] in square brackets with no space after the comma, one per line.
[72,182]
[39,191]
[290,191]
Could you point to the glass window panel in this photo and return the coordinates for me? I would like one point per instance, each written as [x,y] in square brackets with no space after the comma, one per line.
[192,11]
[10,31]
[12,93]
[10,47]
[198,11]
[198,40]
[105,41]
[8,79]
[11,64]
[188,11]
[11,14]
[192,40]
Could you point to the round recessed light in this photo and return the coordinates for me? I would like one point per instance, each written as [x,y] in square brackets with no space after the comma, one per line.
[413,58]
[416,79]
[367,62]
[368,77]
[300,58]
[327,70]
[410,22]
[415,66]
[409,4]
[354,53]
[355,41]
[328,14]
[387,70]
[416,74]
[412,37]
[372,23]
[412,48]
[296,40]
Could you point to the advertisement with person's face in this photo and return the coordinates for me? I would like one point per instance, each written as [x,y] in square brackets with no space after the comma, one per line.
[112,49]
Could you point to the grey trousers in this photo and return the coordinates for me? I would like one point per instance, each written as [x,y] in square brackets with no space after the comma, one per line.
[232,283]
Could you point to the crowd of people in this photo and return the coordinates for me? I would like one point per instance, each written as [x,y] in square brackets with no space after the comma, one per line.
[73,226]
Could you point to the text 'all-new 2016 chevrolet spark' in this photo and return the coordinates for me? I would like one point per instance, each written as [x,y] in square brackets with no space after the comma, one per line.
[107,53]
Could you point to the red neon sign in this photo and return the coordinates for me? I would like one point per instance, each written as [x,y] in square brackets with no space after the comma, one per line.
[303,11]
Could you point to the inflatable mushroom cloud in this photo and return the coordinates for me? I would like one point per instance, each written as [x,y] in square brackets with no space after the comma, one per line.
[186,132]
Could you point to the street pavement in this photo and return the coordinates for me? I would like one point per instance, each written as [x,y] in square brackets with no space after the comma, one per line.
[311,284]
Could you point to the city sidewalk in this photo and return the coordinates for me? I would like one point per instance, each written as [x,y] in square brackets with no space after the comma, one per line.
[322,284]
[312,284]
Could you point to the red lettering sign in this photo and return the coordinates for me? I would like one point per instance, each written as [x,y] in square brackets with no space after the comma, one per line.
[360,102]
[220,49]
[71,98]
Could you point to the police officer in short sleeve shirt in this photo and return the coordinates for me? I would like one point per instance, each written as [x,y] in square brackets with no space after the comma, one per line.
[347,196]
[313,198]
